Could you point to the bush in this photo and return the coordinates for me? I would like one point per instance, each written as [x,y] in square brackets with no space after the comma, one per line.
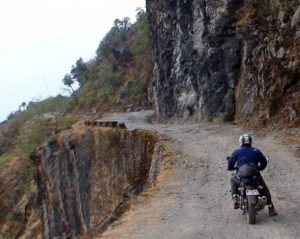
[116,36]
[4,158]
[109,80]
[141,43]
[31,136]
[67,121]
[136,88]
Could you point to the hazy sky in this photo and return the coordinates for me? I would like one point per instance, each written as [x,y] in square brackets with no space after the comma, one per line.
[41,39]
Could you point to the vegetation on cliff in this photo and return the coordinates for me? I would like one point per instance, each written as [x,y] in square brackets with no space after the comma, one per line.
[265,49]
[115,78]
[19,137]
[118,75]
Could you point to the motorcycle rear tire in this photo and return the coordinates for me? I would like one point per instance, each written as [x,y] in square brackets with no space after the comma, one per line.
[251,214]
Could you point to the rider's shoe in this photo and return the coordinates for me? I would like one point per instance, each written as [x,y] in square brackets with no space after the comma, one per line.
[272,211]
[235,199]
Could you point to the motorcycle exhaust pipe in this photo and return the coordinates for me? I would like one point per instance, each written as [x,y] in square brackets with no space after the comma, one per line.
[264,199]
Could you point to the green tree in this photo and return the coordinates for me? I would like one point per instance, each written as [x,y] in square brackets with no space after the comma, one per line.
[117,23]
[115,37]
[122,24]
[140,12]
[79,72]
[140,44]
[68,81]
[22,106]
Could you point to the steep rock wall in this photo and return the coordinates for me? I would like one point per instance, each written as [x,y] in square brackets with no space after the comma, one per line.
[85,178]
[268,89]
[225,59]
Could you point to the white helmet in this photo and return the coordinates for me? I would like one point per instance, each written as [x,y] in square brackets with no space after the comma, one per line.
[245,139]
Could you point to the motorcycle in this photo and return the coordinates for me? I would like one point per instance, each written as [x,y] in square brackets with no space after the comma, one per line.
[250,197]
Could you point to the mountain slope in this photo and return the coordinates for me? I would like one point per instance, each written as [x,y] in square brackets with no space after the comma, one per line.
[218,60]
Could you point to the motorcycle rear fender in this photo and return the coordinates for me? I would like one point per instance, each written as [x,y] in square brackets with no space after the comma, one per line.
[252,199]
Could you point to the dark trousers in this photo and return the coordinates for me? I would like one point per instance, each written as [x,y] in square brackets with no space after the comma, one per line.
[265,191]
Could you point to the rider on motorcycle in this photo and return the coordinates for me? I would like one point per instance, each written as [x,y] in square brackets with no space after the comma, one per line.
[247,154]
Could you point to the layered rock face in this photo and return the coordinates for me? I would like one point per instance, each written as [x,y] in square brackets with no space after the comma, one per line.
[225,59]
[84,178]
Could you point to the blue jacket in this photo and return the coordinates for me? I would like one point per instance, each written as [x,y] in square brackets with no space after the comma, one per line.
[247,154]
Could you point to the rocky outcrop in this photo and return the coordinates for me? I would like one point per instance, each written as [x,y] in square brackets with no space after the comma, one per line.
[225,59]
[85,178]
[268,89]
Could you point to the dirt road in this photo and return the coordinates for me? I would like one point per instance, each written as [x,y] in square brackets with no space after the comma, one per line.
[192,198]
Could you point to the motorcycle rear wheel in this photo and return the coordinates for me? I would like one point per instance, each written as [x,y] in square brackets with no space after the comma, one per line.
[251,214]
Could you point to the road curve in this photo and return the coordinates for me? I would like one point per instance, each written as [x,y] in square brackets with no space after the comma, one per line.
[192,199]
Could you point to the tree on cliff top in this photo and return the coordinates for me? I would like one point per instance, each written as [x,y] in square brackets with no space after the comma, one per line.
[115,38]
[68,81]
[79,72]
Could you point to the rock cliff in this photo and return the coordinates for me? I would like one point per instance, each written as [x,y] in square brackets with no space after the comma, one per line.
[226,60]
[213,60]
[85,178]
